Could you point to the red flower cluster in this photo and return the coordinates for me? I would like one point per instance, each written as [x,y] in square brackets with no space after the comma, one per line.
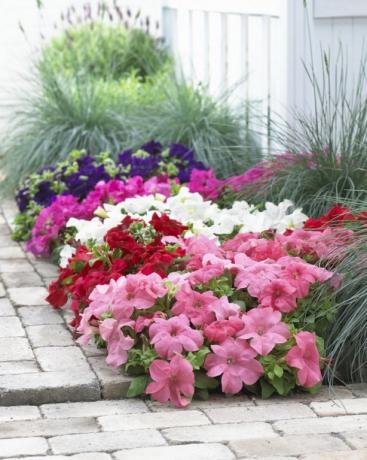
[338,216]
[131,247]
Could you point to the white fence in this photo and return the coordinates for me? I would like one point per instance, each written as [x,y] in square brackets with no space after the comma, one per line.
[253,47]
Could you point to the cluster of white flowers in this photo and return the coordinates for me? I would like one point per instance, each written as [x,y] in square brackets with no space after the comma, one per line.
[203,217]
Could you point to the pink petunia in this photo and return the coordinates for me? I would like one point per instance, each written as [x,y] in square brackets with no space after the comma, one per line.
[264,328]
[235,362]
[172,381]
[280,295]
[172,336]
[142,291]
[305,357]
[224,309]
[261,249]
[255,276]
[194,305]
[117,343]
[199,246]
[219,331]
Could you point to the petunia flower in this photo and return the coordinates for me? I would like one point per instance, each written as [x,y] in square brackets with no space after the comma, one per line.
[305,357]
[172,381]
[194,305]
[264,329]
[280,295]
[235,362]
[117,343]
[172,336]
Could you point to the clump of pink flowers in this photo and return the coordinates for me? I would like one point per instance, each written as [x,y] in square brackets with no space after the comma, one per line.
[235,317]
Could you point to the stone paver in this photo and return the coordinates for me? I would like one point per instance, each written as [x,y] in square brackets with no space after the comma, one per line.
[356,440]
[10,326]
[49,335]
[43,427]
[22,446]
[293,445]
[153,420]
[323,425]
[28,295]
[350,455]
[6,308]
[24,279]
[220,433]
[340,407]
[184,452]
[107,441]
[257,414]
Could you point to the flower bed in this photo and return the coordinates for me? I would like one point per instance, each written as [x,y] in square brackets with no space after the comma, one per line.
[187,294]
[188,305]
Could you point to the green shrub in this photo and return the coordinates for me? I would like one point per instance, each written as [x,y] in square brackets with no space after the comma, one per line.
[101,51]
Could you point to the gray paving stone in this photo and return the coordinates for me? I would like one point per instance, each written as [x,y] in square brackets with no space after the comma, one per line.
[215,401]
[53,359]
[340,407]
[22,446]
[22,279]
[2,290]
[15,349]
[287,446]
[350,455]
[5,240]
[153,420]
[359,389]
[9,414]
[114,383]
[42,427]
[188,451]
[357,440]
[323,425]
[324,394]
[260,413]
[86,456]
[10,326]
[49,335]
[108,441]
[94,409]
[15,266]
[28,296]
[6,308]
[18,367]
[12,253]
[220,433]
[48,387]
[46,269]
[32,316]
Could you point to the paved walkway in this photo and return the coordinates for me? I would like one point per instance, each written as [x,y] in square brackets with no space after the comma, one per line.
[41,369]
[39,360]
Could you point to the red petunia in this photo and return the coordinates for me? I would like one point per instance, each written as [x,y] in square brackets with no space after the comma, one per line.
[166,226]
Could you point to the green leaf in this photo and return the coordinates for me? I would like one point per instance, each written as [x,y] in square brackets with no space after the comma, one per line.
[278,384]
[137,386]
[203,395]
[266,389]
[203,382]
[278,371]
[197,359]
